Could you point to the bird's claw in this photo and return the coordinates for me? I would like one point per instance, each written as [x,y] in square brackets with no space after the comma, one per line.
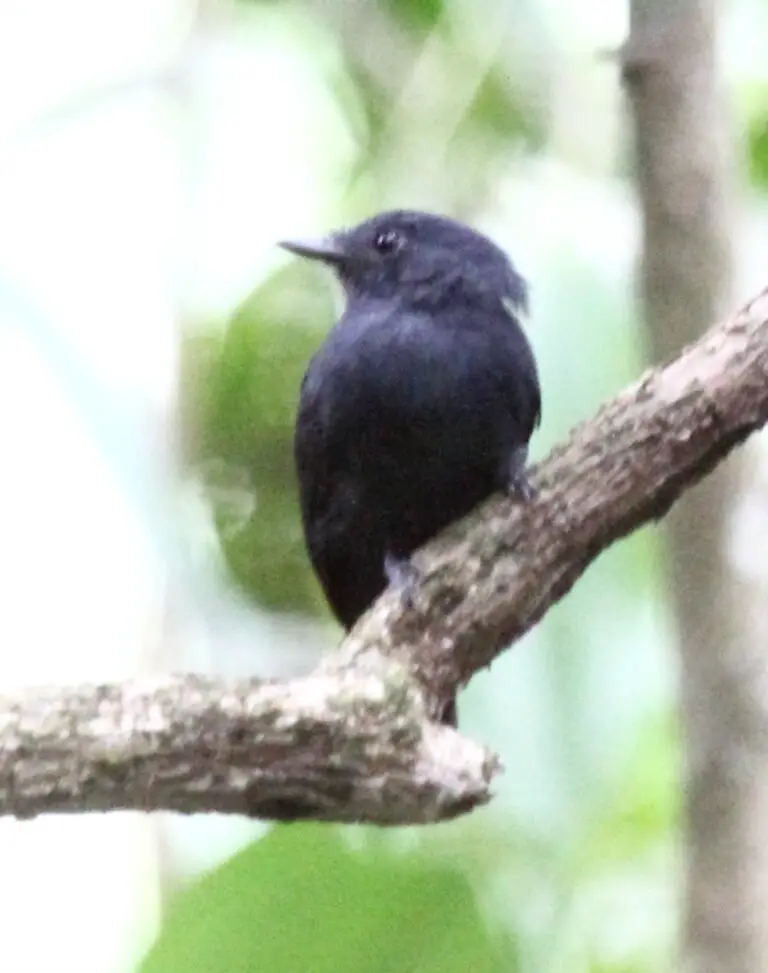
[403,577]
[518,483]
[520,486]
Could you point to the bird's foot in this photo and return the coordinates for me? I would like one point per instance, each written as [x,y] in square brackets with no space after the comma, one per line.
[403,577]
[518,484]
[449,716]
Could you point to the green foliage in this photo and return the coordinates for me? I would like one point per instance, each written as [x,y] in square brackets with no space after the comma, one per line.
[434,108]
[751,108]
[242,389]
[757,150]
[416,14]
[642,803]
[303,899]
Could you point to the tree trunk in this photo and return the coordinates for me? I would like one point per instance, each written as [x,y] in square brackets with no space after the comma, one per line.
[683,181]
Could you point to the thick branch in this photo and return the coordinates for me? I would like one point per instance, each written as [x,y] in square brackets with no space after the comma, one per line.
[348,747]
[356,740]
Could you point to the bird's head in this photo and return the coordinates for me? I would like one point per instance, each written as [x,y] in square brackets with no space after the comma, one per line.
[416,257]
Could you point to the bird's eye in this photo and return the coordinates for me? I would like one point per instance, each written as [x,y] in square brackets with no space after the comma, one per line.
[387,241]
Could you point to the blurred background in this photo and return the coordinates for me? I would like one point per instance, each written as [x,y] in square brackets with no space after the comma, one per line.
[152,340]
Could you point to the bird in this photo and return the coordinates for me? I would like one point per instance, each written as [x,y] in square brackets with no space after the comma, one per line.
[419,404]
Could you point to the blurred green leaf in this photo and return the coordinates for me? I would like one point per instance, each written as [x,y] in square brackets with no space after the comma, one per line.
[251,384]
[500,108]
[302,900]
[241,390]
[757,150]
[640,811]
[418,14]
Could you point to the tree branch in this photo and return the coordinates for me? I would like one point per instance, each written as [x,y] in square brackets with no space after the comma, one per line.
[357,740]
[344,747]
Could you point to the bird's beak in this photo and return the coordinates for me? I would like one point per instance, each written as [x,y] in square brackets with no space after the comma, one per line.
[328,249]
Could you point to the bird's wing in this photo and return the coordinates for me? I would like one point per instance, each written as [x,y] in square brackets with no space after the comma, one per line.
[530,391]
[341,539]
[310,450]
[321,448]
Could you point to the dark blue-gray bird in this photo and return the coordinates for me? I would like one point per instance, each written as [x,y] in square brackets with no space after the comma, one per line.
[419,404]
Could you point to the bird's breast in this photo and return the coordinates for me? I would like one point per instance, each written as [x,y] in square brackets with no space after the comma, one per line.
[408,392]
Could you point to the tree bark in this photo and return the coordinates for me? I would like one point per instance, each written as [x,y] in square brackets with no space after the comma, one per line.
[683,178]
[360,739]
